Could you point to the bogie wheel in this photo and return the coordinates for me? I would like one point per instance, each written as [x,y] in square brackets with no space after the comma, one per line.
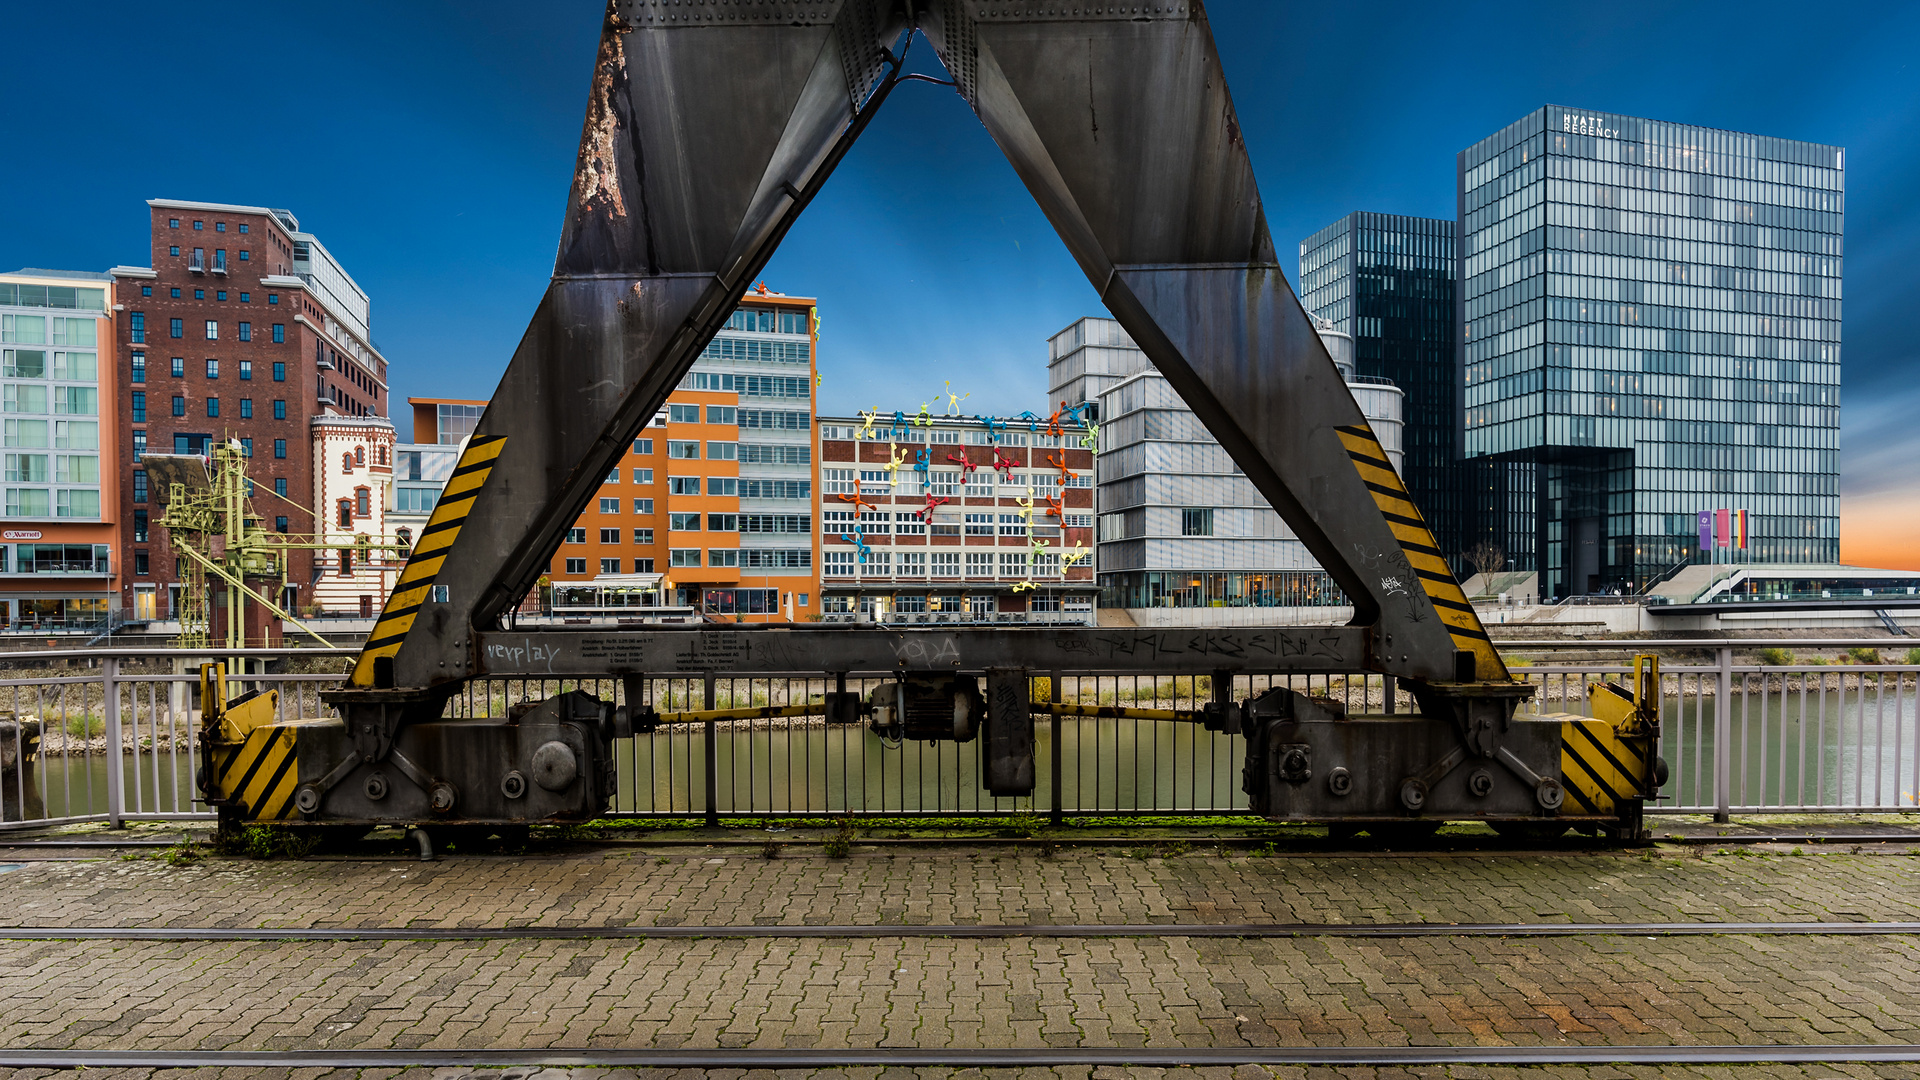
[1530,830]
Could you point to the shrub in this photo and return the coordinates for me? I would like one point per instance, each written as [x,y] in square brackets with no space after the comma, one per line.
[1913,657]
[1864,656]
[1776,657]
[841,842]
[264,842]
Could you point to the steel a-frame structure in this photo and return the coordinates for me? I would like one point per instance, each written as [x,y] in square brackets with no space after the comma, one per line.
[710,126]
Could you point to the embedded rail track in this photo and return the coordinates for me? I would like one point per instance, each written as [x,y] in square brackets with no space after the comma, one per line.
[973,1058]
[963,930]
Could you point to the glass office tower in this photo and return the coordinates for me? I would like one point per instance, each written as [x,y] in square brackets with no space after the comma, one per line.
[1387,281]
[1650,328]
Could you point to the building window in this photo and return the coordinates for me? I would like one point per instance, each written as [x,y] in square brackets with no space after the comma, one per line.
[643,536]
[723,451]
[346,564]
[245,331]
[176,328]
[609,536]
[246,408]
[173,223]
[174,250]
[683,522]
[359,455]
[245,256]
[139,367]
[683,449]
[280,486]
[643,506]
[279,409]
[213,330]
[643,446]
[838,563]
[139,442]
[146,290]
[610,505]
[246,369]
[720,414]
[139,406]
[139,485]
[683,485]
[141,567]
[723,523]
[723,557]
[178,367]
[280,448]
[213,406]
[980,564]
[137,327]
[577,535]
[280,523]
[279,371]
[723,485]
[179,405]
[198,225]
[175,292]
[245,297]
[279,334]
[1196,522]
[576,566]
[609,566]
[362,502]
[643,476]
[343,513]
[213,369]
[273,298]
[199,294]
[683,556]
[683,414]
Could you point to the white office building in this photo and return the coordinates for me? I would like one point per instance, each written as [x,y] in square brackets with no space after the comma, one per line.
[1181,530]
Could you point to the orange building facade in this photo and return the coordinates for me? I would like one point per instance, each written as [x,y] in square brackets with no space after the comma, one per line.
[710,514]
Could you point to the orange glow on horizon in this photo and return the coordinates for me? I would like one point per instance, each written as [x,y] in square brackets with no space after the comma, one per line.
[1881,531]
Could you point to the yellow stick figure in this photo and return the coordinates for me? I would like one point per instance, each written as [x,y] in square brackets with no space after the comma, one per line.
[953,399]
[1023,586]
[896,457]
[866,428]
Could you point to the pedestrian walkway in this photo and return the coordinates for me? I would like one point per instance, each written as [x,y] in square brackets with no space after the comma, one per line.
[943,992]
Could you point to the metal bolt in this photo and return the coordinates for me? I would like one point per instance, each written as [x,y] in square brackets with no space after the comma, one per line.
[1480,783]
[376,787]
[440,798]
[1340,781]
[307,799]
[514,784]
[1413,793]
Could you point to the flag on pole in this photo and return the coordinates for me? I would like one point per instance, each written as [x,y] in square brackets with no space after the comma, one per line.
[1706,530]
[1722,526]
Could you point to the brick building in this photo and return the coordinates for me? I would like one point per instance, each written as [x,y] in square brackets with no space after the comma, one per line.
[240,326]
[711,510]
[956,519]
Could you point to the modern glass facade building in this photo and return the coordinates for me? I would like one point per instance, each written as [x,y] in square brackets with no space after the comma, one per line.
[1387,281]
[1650,327]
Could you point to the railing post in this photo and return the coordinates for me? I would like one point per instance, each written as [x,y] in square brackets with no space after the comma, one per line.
[1723,740]
[1058,814]
[116,763]
[713,758]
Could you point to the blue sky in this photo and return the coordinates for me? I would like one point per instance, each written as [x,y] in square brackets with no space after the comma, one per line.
[429,144]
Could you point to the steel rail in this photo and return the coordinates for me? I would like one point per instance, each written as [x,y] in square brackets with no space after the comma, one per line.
[966,930]
[972,1057]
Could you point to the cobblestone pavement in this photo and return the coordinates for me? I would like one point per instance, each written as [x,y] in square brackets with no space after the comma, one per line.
[944,992]
[731,886]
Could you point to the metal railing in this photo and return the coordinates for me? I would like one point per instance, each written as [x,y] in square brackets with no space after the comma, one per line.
[1739,737]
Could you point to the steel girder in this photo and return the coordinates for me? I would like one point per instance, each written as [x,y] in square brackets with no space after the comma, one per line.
[712,123]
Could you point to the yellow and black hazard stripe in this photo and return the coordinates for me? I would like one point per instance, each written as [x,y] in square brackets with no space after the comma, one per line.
[1416,540]
[258,776]
[1599,770]
[429,553]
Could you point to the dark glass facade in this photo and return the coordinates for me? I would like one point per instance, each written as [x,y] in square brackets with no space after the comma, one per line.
[1388,281]
[1650,327]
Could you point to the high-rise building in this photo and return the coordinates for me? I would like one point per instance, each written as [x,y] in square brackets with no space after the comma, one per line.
[712,509]
[956,519]
[1386,280]
[240,327]
[1650,317]
[1181,528]
[57,372]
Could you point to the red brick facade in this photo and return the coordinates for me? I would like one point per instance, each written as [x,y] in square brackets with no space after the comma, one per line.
[255,361]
